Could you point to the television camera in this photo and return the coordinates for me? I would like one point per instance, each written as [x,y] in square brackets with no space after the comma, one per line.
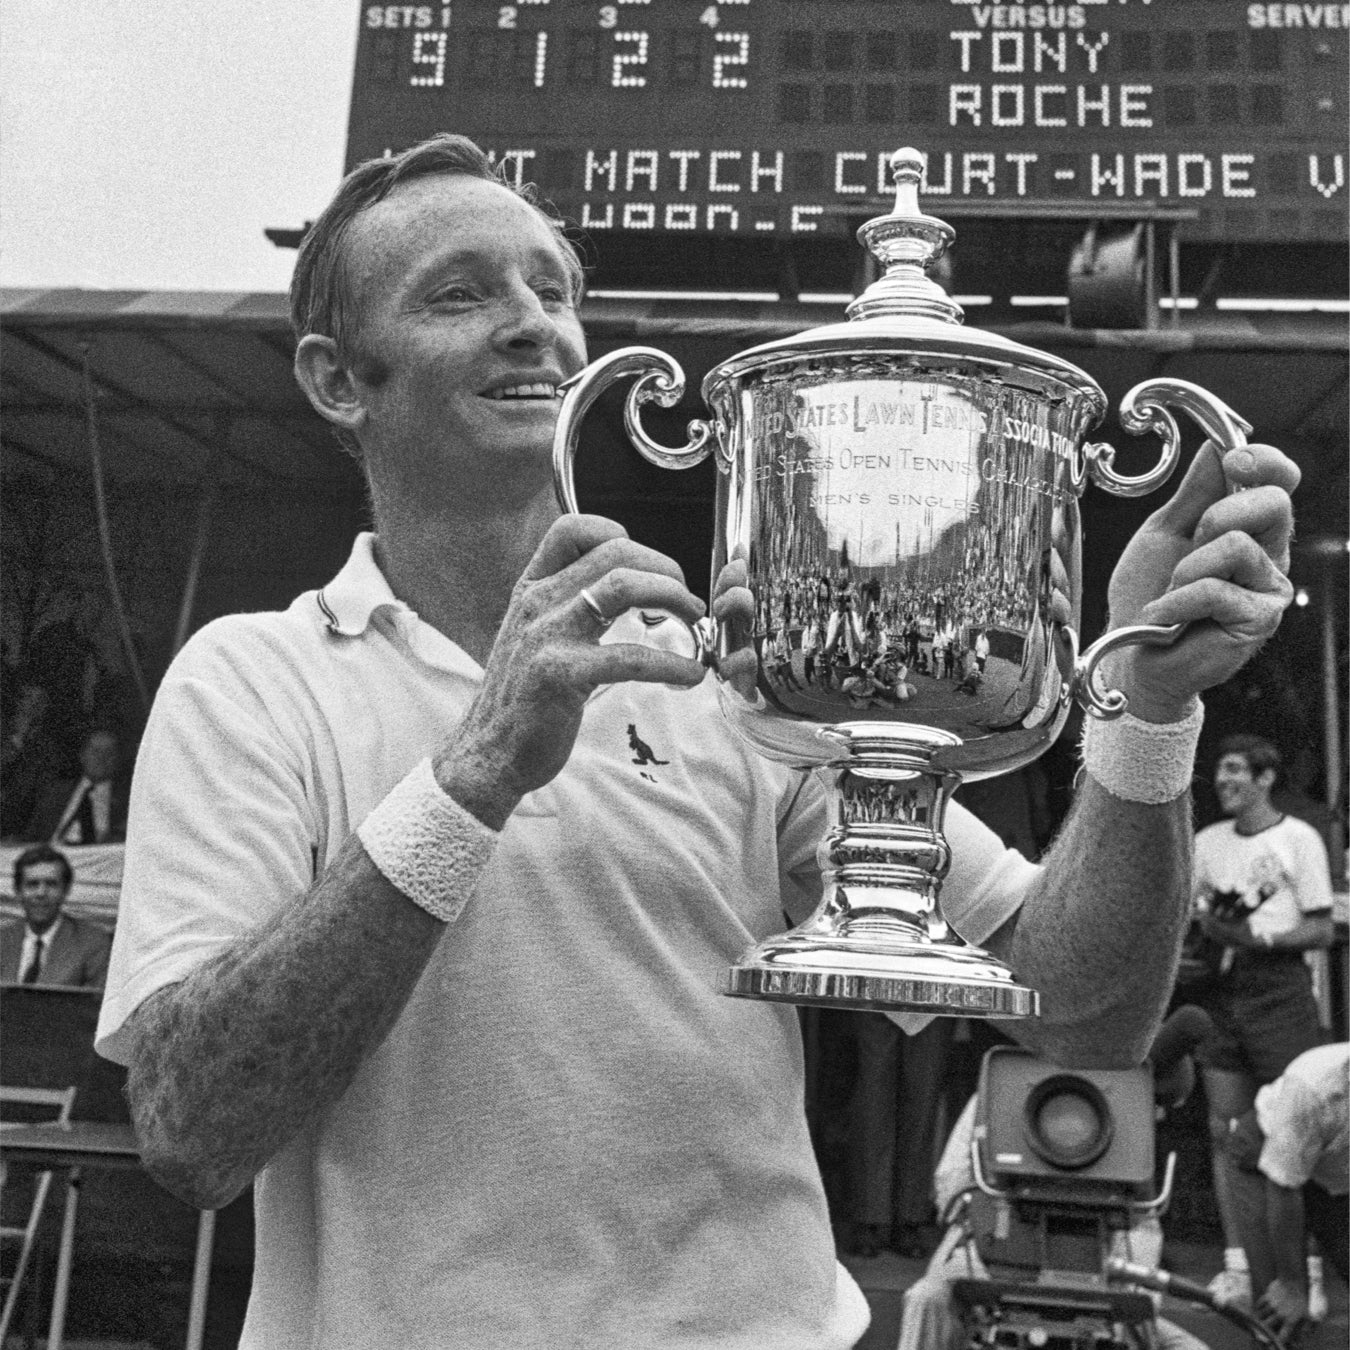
[1065,1209]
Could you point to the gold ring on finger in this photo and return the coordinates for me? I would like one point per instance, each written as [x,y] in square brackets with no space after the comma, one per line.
[593,605]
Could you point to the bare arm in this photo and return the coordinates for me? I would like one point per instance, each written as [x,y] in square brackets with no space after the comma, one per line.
[1311,932]
[230,1065]
[239,1058]
[1282,1277]
[1100,933]
[1284,1228]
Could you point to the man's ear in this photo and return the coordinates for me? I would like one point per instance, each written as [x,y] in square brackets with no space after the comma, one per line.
[328,383]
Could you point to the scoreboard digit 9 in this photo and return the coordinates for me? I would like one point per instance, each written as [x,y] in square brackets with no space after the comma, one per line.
[774,118]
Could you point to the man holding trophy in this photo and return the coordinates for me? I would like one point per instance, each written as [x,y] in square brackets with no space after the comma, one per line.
[433,880]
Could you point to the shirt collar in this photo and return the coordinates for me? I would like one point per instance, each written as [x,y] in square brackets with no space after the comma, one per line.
[358,592]
[353,596]
[360,596]
[45,937]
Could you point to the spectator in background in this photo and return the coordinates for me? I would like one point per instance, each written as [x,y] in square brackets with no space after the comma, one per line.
[48,946]
[61,656]
[981,649]
[1294,1154]
[1263,899]
[28,755]
[91,809]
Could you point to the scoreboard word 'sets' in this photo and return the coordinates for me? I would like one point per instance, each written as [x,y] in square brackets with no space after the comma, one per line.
[776,117]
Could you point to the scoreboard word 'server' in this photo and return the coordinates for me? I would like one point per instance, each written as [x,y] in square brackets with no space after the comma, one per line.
[776,117]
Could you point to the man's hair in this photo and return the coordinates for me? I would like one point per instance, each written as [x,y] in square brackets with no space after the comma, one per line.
[1259,753]
[321,297]
[42,853]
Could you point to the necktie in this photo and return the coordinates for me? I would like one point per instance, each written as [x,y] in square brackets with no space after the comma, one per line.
[72,826]
[30,976]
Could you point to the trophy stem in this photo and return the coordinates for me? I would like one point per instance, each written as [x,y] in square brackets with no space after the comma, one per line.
[878,938]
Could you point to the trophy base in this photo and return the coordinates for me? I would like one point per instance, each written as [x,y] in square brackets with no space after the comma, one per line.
[896,977]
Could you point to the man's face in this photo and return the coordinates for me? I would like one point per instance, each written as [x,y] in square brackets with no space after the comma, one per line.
[42,892]
[466,327]
[98,756]
[1237,788]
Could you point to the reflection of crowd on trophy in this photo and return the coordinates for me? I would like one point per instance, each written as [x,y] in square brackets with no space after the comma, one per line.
[869,639]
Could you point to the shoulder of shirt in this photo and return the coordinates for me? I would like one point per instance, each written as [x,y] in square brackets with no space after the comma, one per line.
[1297,825]
[236,635]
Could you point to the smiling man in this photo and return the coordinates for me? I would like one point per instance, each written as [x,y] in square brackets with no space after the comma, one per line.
[433,879]
[48,946]
[1263,899]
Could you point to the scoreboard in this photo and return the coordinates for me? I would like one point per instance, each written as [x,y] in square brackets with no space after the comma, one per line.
[775,118]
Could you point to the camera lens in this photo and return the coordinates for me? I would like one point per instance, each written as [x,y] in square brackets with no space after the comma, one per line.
[1067,1121]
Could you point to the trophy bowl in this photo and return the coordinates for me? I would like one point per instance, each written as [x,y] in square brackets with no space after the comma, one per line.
[899,497]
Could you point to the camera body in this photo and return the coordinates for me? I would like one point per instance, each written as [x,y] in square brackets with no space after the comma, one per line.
[1064,1164]
[1069,1134]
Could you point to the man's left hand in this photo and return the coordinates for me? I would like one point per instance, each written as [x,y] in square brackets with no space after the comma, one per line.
[1215,560]
[1283,1308]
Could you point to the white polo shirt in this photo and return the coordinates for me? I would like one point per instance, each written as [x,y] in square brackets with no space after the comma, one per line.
[569,1138]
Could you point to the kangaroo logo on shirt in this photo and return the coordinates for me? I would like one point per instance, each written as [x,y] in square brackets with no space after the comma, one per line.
[643,754]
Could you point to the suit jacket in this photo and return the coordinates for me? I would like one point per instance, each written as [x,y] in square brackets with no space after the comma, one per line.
[52,800]
[78,955]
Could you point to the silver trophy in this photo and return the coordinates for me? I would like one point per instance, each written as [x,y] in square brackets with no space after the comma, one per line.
[902,494]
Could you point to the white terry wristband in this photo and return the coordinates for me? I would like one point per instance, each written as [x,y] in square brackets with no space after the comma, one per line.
[427,844]
[1137,761]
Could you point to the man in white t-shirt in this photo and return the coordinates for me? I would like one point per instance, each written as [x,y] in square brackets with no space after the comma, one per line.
[433,879]
[1263,899]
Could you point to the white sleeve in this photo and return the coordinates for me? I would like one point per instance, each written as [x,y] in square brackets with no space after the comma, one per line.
[1312,872]
[1289,1115]
[988,880]
[802,823]
[220,837]
[986,886]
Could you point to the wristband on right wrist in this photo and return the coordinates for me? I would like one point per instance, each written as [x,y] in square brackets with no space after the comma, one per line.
[427,845]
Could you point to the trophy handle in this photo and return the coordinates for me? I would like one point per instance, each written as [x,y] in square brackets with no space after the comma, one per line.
[1086,685]
[1146,408]
[660,380]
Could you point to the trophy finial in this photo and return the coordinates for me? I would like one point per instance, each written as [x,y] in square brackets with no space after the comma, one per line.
[906,243]
[907,169]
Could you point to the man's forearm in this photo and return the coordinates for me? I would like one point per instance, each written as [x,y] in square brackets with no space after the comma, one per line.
[1100,933]
[233,1063]
[1284,1227]
[1309,934]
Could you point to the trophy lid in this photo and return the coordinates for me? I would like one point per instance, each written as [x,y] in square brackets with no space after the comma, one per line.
[905,312]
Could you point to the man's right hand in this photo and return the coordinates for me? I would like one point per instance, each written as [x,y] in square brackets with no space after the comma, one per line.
[548,660]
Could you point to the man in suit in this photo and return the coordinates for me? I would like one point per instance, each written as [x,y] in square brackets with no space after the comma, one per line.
[47,946]
[91,809]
